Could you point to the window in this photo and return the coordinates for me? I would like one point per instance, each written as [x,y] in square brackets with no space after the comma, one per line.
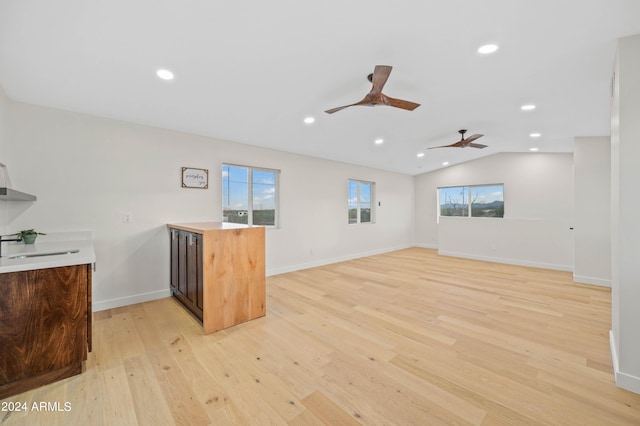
[487,201]
[360,202]
[249,195]
[472,201]
[454,201]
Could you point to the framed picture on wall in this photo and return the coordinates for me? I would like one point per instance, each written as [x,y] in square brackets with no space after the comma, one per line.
[195,178]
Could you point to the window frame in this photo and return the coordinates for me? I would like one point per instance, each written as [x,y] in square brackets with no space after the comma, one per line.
[468,202]
[372,196]
[250,193]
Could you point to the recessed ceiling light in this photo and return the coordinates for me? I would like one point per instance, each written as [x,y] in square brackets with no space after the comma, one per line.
[487,48]
[379,141]
[528,107]
[420,154]
[533,149]
[446,163]
[309,120]
[535,135]
[165,74]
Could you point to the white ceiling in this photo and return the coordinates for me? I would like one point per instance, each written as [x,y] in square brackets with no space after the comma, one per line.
[250,71]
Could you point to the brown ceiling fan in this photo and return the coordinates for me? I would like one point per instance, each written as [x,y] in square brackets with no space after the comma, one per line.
[463,143]
[375,96]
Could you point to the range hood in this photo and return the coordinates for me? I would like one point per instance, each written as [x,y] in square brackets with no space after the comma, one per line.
[8,194]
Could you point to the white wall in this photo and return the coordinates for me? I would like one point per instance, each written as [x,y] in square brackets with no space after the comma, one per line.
[538,194]
[592,195]
[87,171]
[4,106]
[625,205]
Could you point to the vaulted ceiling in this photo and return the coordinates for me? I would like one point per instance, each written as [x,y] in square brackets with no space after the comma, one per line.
[252,71]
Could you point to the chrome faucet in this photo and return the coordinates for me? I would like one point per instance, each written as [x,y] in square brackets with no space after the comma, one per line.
[6,241]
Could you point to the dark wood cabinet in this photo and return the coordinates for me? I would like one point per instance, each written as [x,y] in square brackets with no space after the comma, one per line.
[45,326]
[186,269]
[218,272]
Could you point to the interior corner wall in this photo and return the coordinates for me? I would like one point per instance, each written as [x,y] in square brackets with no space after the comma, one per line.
[592,203]
[87,171]
[4,106]
[625,204]
[538,197]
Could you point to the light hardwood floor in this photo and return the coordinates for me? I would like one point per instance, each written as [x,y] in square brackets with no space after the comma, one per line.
[407,337]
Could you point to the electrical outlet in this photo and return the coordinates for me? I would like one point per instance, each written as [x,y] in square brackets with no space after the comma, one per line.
[126,217]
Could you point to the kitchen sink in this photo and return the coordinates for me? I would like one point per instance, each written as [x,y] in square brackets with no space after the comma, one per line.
[53,253]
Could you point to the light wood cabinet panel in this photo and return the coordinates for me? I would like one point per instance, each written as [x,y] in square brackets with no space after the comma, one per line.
[218,272]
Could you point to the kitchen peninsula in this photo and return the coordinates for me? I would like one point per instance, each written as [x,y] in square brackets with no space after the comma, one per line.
[45,311]
[218,272]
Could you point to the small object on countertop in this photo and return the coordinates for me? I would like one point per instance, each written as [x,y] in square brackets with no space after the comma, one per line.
[28,235]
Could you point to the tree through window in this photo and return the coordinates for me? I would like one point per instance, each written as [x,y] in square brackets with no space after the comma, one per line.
[472,201]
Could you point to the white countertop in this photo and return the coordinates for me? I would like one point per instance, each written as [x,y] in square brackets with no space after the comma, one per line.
[200,227]
[58,242]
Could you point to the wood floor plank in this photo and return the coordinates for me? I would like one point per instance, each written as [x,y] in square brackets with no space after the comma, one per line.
[327,411]
[146,392]
[406,337]
[307,418]
[246,357]
[116,399]
[178,394]
[83,393]
[497,412]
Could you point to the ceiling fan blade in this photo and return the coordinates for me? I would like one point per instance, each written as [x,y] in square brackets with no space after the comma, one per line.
[332,110]
[367,100]
[477,145]
[463,143]
[400,103]
[380,76]
[453,145]
[473,138]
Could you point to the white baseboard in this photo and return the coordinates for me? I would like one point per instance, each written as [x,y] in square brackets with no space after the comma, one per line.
[328,261]
[129,300]
[426,245]
[145,297]
[519,262]
[591,280]
[102,305]
[623,380]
